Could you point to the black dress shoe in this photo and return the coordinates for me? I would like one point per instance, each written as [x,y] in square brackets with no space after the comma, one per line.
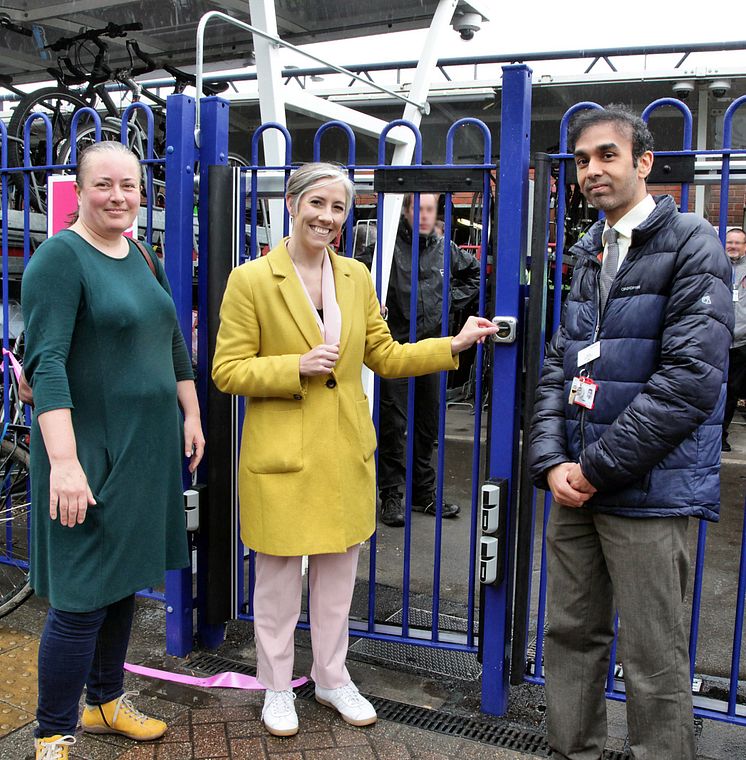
[426,504]
[725,447]
[392,510]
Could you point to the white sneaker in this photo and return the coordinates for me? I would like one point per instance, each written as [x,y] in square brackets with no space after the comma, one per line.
[278,713]
[349,703]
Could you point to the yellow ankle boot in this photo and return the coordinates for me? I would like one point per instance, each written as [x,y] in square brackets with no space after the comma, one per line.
[54,747]
[120,716]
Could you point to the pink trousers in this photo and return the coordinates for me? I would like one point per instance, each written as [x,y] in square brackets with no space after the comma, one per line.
[277,605]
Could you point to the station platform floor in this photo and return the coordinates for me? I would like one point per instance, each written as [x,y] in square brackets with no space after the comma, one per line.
[422,715]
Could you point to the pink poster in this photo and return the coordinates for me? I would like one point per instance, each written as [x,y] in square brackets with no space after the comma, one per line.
[62,203]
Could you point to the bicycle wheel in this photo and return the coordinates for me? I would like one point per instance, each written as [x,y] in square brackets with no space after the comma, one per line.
[59,105]
[86,137]
[111,130]
[15,511]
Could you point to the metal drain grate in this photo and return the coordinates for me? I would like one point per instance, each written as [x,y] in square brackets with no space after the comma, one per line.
[212,664]
[446,662]
[492,732]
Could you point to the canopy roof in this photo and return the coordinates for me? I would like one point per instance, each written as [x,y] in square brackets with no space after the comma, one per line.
[169,27]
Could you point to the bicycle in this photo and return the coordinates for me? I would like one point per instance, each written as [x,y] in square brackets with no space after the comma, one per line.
[15,511]
[15,490]
[84,59]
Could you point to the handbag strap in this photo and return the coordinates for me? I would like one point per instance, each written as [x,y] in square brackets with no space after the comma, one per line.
[146,255]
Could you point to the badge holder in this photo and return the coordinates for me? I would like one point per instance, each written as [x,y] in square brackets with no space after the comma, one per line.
[583,391]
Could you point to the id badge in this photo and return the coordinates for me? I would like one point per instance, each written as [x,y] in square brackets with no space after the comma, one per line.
[735,294]
[585,395]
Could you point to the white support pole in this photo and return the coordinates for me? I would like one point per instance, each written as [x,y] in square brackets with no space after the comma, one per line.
[403,153]
[304,102]
[703,118]
[271,99]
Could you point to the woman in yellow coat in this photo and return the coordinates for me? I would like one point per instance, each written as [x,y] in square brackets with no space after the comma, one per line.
[296,328]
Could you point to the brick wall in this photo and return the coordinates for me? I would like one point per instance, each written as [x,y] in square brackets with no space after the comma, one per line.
[736,201]
[736,204]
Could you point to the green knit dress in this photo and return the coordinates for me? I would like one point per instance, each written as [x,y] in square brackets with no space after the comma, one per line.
[103,341]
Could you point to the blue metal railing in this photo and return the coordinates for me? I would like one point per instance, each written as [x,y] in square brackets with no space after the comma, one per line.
[34,176]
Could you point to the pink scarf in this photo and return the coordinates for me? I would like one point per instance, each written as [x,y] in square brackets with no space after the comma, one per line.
[331,326]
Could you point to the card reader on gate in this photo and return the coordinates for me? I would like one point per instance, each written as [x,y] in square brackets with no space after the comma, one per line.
[488,551]
[494,507]
[493,520]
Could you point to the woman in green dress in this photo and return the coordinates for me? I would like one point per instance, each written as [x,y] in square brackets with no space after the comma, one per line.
[109,369]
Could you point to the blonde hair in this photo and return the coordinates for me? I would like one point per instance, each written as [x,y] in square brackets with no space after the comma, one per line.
[311,175]
[105,146]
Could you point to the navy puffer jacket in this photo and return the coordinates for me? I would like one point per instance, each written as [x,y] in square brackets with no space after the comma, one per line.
[651,444]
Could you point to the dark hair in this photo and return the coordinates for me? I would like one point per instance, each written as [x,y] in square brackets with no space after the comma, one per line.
[622,118]
[409,198]
[735,229]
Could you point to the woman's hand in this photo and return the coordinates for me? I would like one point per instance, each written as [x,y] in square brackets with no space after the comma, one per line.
[474,331]
[69,493]
[194,441]
[319,360]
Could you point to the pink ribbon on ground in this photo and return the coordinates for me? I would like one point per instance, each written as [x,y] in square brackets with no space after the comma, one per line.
[229,680]
[17,369]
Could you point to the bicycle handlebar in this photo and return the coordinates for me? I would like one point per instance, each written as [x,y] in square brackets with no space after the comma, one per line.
[182,78]
[8,23]
[111,30]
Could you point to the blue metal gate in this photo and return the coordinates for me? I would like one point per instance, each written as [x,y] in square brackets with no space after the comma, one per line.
[530,607]
[227,242]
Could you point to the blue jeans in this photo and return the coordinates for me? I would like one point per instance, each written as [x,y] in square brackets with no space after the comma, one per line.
[80,649]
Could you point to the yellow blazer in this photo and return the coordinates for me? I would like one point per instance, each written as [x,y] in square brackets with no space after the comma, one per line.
[307,471]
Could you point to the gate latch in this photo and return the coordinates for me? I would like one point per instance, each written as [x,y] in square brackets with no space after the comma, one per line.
[192,499]
[507,328]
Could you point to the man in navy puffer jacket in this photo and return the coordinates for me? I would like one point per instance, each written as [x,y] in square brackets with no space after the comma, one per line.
[647,326]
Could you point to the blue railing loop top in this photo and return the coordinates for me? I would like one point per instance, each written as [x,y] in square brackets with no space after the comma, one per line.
[260,131]
[350,140]
[685,112]
[124,130]
[728,120]
[487,137]
[565,123]
[417,140]
[27,138]
[85,111]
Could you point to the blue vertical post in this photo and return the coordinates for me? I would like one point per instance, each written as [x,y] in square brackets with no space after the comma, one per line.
[213,149]
[512,222]
[180,155]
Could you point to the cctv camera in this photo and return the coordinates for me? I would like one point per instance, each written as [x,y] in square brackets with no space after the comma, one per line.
[719,87]
[467,24]
[682,90]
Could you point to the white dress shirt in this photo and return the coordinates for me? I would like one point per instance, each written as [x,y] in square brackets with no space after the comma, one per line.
[632,219]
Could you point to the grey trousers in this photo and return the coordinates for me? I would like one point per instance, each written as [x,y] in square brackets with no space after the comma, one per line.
[596,563]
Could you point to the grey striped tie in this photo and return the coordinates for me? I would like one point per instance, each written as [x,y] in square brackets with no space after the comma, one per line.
[609,265]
